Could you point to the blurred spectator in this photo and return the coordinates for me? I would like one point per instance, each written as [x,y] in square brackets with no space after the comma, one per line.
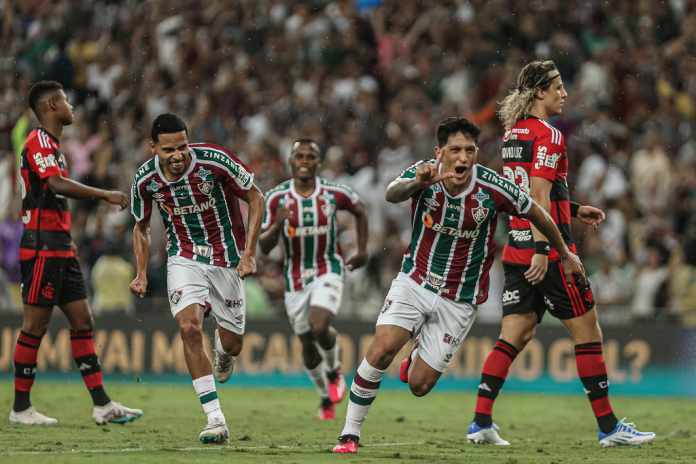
[110,277]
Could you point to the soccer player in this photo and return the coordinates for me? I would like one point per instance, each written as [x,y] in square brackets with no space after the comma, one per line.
[303,211]
[51,274]
[534,156]
[196,187]
[444,273]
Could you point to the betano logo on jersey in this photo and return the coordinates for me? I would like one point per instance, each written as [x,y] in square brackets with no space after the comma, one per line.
[430,223]
[306,231]
[188,209]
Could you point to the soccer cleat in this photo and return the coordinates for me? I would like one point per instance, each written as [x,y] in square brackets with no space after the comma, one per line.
[482,435]
[624,434]
[30,416]
[347,444]
[327,409]
[337,386]
[223,364]
[115,413]
[215,432]
[403,369]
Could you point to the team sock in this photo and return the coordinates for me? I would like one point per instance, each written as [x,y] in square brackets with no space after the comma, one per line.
[363,392]
[495,371]
[593,374]
[82,344]
[318,376]
[207,394]
[26,351]
[331,357]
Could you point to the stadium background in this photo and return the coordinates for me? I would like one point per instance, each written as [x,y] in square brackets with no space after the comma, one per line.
[369,80]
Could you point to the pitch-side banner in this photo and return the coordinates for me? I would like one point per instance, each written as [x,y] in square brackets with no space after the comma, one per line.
[640,360]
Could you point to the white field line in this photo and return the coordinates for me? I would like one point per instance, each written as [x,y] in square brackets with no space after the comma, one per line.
[189,449]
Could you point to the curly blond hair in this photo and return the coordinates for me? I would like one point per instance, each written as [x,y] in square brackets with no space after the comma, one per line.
[536,75]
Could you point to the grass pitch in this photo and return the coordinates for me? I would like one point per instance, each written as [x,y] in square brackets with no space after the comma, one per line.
[279,425]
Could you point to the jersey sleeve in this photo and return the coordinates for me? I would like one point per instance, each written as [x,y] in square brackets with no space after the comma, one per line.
[42,159]
[271,201]
[346,198]
[141,200]
[410,172]
[508,196]
[236,174]
[547,151]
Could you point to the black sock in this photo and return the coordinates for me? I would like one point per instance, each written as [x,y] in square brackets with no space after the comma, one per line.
[21,401]
[99,396]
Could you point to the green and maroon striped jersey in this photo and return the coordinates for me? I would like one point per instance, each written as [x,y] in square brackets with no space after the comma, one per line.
[200,210]
[452,246]
[309,235]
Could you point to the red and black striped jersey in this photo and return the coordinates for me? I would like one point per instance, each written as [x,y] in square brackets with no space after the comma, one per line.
[45,214]
[534,148]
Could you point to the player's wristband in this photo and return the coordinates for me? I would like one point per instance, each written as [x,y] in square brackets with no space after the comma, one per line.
[574,208]
[542,248]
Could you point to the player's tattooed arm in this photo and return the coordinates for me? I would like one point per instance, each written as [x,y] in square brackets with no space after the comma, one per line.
[427,174]
[141,250]
[73,189]
[542,220]
[247,262]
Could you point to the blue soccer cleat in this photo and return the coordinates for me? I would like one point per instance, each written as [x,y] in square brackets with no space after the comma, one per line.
[485,435]
[625,434]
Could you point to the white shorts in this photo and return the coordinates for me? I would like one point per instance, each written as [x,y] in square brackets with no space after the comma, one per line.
[220,288]
[438,324]
[325,292]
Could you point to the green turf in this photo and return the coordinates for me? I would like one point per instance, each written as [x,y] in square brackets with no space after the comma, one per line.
[269,425]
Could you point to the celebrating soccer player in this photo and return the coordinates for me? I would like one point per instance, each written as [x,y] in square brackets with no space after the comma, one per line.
[534,156]
[51,274]
[303,211]
[197,187]
[444,273]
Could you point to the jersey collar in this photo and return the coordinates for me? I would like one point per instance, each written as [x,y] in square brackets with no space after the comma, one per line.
[317,187]
[468,188]
[185,174]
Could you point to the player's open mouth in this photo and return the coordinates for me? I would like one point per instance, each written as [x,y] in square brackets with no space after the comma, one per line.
[460,169]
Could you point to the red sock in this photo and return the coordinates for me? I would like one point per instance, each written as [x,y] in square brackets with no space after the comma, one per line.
[26,351]
[593,374]
[495,371]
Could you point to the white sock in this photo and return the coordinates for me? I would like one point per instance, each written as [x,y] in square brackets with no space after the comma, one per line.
[331,356]
[318,376]
[363,392]
[205,389]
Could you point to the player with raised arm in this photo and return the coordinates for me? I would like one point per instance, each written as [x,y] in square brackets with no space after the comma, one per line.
[302,211]
[534,156]
[51,274]
[197,187]
[444,272]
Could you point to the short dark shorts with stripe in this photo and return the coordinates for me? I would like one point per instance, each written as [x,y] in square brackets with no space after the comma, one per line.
[565,297]
[48,281]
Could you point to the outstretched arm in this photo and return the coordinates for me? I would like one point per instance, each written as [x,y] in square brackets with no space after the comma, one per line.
[73,189]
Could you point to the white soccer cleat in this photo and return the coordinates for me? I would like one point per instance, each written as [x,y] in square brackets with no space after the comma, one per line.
[625,434]
[31,416]
[223,363]
[115,413]
[215,432]
[485,435]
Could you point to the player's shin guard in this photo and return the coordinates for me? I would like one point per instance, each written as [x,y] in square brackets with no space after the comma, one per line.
[593,374]
[495,371]
[207,394]
[82,344]
[363,392]
[26,351]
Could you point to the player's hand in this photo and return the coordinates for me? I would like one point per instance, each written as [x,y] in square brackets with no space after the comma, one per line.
[591,216]
[116,198]
[537,271]
[282,214]
[139,286]
[246,266]
[428,174]
[573,266]
[356,261]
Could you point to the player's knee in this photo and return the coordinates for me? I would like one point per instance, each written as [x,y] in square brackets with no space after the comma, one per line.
[381,355]
[85,323]
[421,388]
[190,330]
[35,328]
[319,329]
[234,346]
[527,336]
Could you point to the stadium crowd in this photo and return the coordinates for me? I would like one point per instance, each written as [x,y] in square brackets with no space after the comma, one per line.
[368,79]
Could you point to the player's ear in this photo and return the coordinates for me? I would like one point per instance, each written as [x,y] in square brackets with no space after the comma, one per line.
[438,152]
[152,147]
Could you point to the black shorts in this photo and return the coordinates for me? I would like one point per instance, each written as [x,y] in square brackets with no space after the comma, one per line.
[52,281]
[564,299]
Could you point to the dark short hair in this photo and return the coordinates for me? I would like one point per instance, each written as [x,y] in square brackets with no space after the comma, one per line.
[39,90]
[305,141]
[453,125]
[167,123]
